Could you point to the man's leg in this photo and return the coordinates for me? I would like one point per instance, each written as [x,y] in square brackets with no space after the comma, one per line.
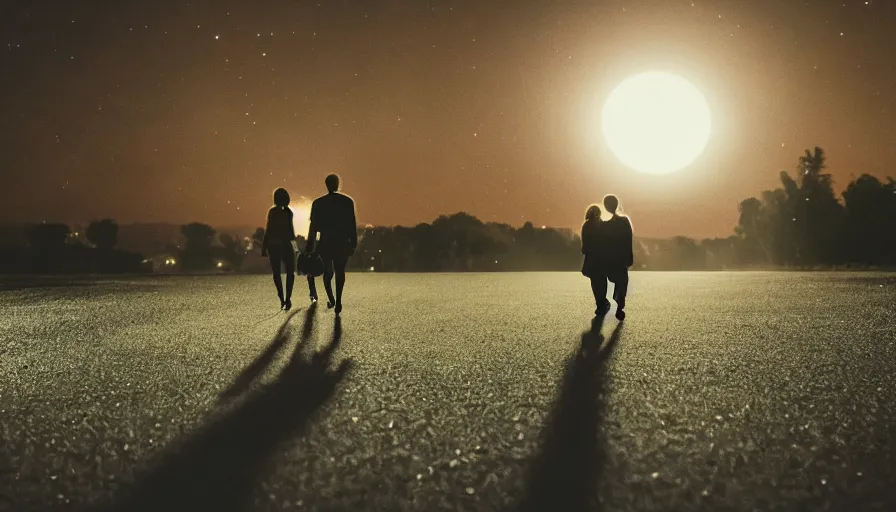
[328,279]
[621,288]
[289,261]
[339,264]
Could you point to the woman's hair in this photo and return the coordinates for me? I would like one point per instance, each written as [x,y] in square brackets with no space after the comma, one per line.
[281,198]
[593,212]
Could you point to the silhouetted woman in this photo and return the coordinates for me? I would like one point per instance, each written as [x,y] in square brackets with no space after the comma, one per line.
[279,236]
[618,238]
[594,266]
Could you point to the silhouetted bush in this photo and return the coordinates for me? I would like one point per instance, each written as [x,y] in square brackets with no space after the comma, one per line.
[197,254]
[103,234]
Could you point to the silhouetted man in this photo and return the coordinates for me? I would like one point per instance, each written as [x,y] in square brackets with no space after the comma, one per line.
[619,255]
[333,217]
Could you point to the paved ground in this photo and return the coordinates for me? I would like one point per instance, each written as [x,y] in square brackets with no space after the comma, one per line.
[723,391]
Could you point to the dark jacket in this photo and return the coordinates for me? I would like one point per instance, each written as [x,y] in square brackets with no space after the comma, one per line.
[592,247]
[279,229]
[618,240]
[333,216]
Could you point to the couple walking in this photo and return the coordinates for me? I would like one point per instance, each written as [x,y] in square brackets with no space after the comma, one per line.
[333,218]
[607,246]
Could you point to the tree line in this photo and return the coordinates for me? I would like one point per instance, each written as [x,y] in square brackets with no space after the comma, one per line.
[804,224]
[53,249]
[801,224]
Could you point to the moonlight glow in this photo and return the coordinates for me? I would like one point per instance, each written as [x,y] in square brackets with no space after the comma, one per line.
[656,122]
[301,215]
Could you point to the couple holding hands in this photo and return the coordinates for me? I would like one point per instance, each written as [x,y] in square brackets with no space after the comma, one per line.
[333,218]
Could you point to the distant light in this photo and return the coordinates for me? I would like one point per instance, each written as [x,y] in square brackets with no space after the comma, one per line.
[371,269]
[543,227]
[220,264]
[217,36]
[496,261]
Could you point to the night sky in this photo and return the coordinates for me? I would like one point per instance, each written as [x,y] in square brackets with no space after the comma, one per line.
[176,111]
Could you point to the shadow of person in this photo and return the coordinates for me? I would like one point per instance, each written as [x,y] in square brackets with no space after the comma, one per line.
[261,363]
[565,473]
[217,467]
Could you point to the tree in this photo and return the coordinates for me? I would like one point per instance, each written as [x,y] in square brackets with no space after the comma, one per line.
[197,254]
[258,238]
[48,236]
[687,254]
[103,234]
[820,216]
[231,251]
[870,220]
[800,223]
[48,250]
[752,231]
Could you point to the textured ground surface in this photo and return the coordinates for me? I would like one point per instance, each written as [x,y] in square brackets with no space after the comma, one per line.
[766,391]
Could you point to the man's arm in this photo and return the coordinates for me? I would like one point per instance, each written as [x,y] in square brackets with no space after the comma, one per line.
[631,242]
[353,236]
[312,231]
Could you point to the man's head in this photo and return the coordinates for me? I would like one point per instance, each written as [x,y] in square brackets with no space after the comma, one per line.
[611,203]
[332,182]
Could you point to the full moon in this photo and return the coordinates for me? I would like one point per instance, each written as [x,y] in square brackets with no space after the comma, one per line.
[656,122]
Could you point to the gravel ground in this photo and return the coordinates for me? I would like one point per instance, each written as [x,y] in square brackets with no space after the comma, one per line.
[721,391]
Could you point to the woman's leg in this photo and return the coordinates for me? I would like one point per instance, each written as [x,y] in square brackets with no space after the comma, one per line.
[599,289]
[274,258]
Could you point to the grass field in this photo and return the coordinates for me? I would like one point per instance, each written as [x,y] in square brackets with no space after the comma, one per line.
[735,391]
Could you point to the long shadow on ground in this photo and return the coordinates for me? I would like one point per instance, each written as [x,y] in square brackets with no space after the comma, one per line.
[217,467]
[565,473]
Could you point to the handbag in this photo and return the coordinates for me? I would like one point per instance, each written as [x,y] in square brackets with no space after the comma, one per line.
[310,264]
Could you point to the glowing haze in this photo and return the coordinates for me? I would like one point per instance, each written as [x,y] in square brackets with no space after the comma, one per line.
[197,110]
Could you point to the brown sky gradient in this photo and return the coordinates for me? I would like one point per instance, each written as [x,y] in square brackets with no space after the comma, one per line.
[134,110]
